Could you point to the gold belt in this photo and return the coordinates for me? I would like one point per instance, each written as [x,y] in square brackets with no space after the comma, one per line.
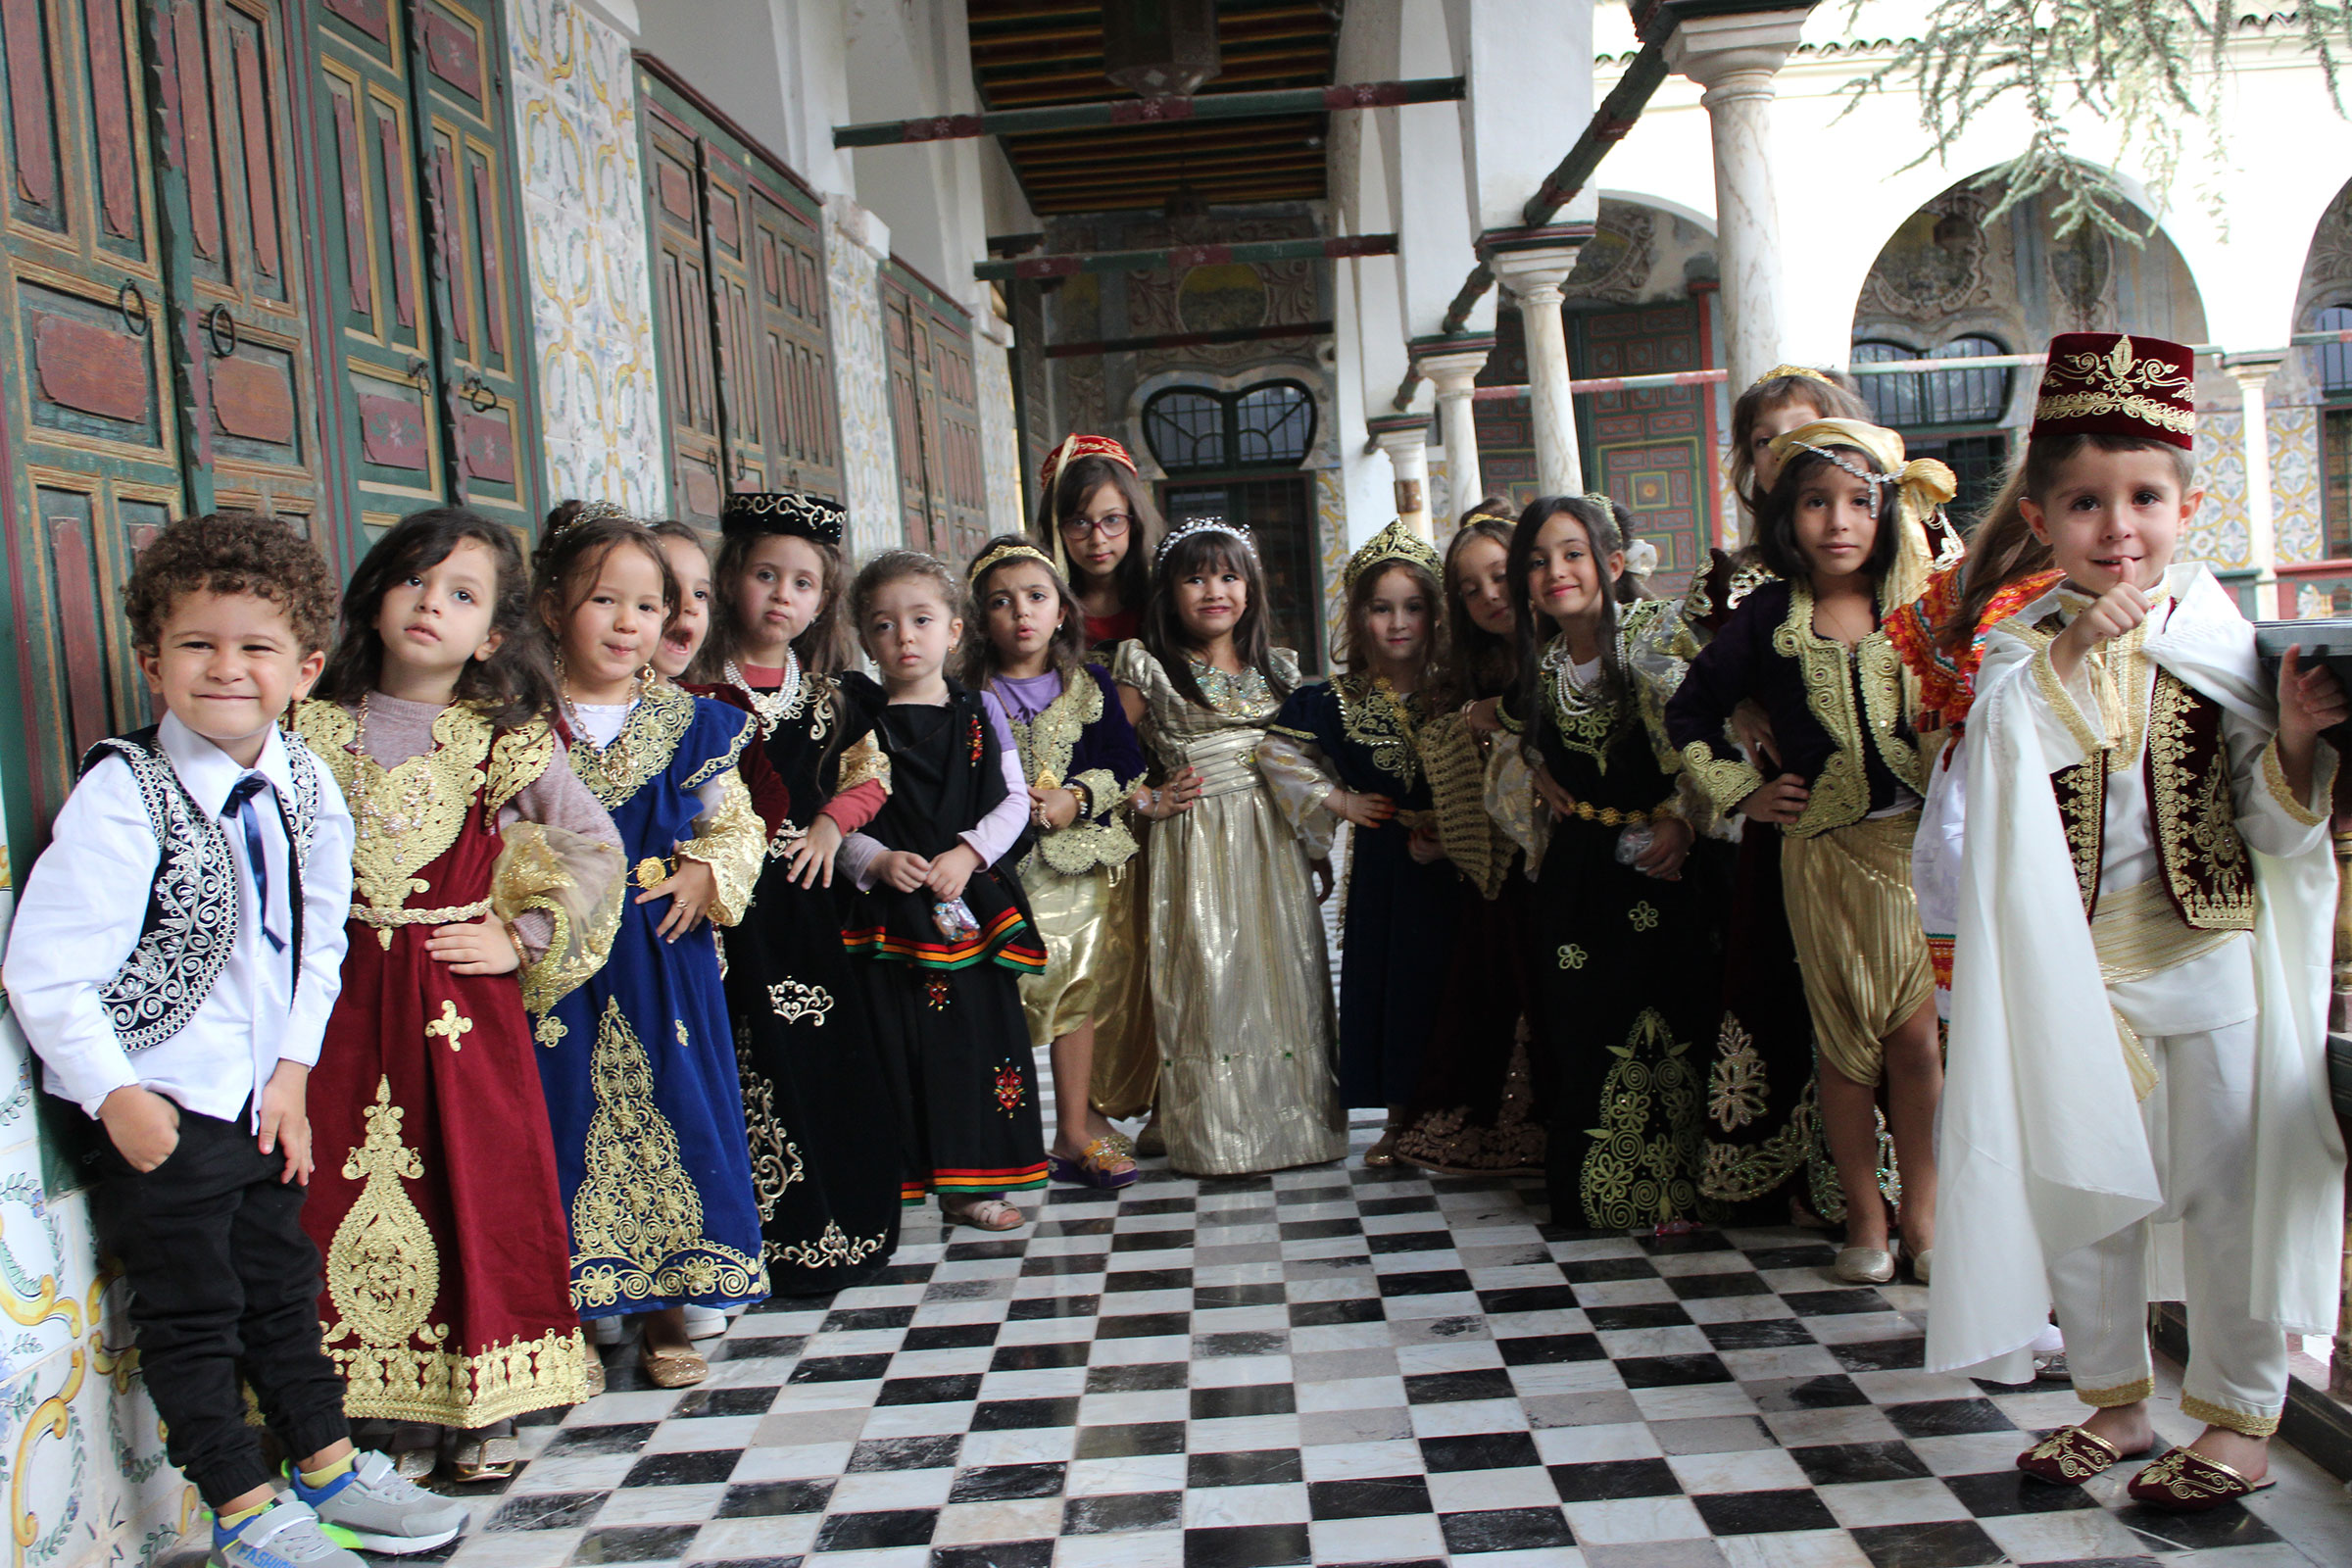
[385,920]
[1616,815]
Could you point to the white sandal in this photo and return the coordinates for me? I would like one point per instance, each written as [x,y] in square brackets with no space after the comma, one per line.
[984,1214]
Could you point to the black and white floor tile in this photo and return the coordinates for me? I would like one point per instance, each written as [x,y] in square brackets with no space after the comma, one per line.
[1336,1365]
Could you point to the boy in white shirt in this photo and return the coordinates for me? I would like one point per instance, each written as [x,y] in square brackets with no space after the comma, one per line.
[174,960]
[2138,992]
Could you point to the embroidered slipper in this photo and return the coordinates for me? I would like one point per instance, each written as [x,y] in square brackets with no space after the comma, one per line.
[2072,1455]
[2185,1481]
[1100,1163]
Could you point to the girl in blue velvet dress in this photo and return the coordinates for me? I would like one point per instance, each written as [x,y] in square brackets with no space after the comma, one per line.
[638,1070]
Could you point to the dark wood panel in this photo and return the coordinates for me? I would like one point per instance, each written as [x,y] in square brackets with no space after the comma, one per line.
[32,125]
[261,164]
[79,364]
[110,109]
[200,154]
[357,277]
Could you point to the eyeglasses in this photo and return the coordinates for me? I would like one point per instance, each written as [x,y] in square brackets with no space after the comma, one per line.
[1112,525]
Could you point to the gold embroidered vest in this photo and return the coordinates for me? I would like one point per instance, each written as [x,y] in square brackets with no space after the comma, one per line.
[2207,874]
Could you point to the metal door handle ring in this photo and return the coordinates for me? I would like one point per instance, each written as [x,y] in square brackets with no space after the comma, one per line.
[128,295]
[212,329]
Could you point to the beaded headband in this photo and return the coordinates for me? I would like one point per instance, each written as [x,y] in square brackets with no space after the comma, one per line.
[1201,525]
[1004,553]
[588,512]
[759,513]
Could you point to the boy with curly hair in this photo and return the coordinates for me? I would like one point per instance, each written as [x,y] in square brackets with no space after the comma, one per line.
[174,957]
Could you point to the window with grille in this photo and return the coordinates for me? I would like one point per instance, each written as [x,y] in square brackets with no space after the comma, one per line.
[1193,430]
[2335,465]
[1935,398]
[2335,359]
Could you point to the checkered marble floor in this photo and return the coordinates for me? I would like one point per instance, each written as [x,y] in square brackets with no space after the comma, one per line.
[1336,1365]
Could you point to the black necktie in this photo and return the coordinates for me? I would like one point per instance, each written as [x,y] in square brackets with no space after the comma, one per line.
[240,800]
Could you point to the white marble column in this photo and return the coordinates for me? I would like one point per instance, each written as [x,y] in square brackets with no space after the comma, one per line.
[1404,437]
[1453,366]
[1736,58]
[2252,373]
[1533,264]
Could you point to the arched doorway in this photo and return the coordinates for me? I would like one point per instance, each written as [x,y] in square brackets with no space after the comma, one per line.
[1956,282]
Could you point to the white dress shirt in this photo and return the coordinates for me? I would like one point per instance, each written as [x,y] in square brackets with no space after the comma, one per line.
[85,901]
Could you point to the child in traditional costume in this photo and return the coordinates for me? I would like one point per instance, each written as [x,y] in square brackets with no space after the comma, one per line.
[1623,941]
[817,1102]
[480,861]
[1941,637]
[1096,520]
[1241,987]
[1842,530]
[937,921]
[2141,978]
[641,1084]
[1081,762]
[1478,1108]
[1348,750]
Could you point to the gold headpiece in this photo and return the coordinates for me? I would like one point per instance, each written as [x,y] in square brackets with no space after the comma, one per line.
[1921,486]
[1002,554]
[1395,542]
[1805,370]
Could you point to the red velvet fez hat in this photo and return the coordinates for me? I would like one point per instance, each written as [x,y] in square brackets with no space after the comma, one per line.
[2107,383]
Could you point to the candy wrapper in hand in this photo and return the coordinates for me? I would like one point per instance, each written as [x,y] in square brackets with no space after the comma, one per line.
[955,920]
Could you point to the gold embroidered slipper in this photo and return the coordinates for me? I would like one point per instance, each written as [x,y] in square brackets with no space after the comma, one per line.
[671,1369]
[2185,1481]
[2072,1455]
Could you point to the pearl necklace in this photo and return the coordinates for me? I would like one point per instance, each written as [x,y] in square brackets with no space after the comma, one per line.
[770,709]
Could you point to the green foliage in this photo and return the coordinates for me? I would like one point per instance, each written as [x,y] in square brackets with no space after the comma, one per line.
[2148,66]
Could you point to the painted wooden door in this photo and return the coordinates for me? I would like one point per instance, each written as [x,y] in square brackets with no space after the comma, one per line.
[935,417]
[242,322]
[429,379]
[1650,449]
[94,442]
[741,326]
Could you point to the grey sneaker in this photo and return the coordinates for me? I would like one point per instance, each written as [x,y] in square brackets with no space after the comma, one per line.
[375,1507]
[284,1536]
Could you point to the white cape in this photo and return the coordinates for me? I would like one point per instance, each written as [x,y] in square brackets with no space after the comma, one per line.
[2043,1147]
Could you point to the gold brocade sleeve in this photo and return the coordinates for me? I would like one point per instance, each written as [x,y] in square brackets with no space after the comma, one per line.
[2323,784]
[578,883]
[1726,781]
[1102,791]
[1297,777]
[864,763]
[732,841]
[1511,803]
[1457,785]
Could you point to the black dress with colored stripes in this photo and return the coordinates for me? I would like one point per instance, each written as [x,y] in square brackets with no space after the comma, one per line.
[947,1010]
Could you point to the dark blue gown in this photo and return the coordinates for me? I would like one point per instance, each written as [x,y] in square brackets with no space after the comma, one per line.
[640,1074]
[1398,917]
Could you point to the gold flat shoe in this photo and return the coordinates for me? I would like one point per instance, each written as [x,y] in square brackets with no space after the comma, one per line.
[1383,1152]
[1864,1265]
[484,1460]
[673,1369]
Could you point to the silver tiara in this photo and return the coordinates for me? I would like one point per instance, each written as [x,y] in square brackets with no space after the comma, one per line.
[1201,525]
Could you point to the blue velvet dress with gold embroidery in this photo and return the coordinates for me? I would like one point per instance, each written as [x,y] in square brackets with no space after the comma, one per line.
[640,1072]
[1397,932]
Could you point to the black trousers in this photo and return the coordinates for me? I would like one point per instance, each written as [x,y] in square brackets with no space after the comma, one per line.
[224,1287]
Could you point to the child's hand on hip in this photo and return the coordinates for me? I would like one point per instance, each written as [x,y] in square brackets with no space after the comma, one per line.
[952,870]
[143,1125]
[285,1121]
[476,947]
[1782,801]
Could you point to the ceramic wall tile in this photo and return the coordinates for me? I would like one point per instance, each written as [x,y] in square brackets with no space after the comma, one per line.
[1331,542]
[1000,437]
[862,379]
[2296,482]
[583,202]
[2217,534]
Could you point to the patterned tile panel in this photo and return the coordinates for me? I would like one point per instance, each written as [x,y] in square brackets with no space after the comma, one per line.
[1000,437]
[583,205]
[861,380]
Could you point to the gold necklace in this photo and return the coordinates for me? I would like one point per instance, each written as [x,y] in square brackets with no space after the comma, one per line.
[602,758]
[376,820]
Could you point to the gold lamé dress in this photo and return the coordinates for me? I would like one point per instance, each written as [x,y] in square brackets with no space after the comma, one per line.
[1241,989]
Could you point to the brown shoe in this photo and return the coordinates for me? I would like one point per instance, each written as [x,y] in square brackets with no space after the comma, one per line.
[671,1369]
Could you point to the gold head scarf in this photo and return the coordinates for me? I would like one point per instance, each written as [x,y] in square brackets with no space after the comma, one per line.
[1921,486]
[1805,370]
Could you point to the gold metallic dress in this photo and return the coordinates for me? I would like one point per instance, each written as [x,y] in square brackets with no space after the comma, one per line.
[1240,986]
